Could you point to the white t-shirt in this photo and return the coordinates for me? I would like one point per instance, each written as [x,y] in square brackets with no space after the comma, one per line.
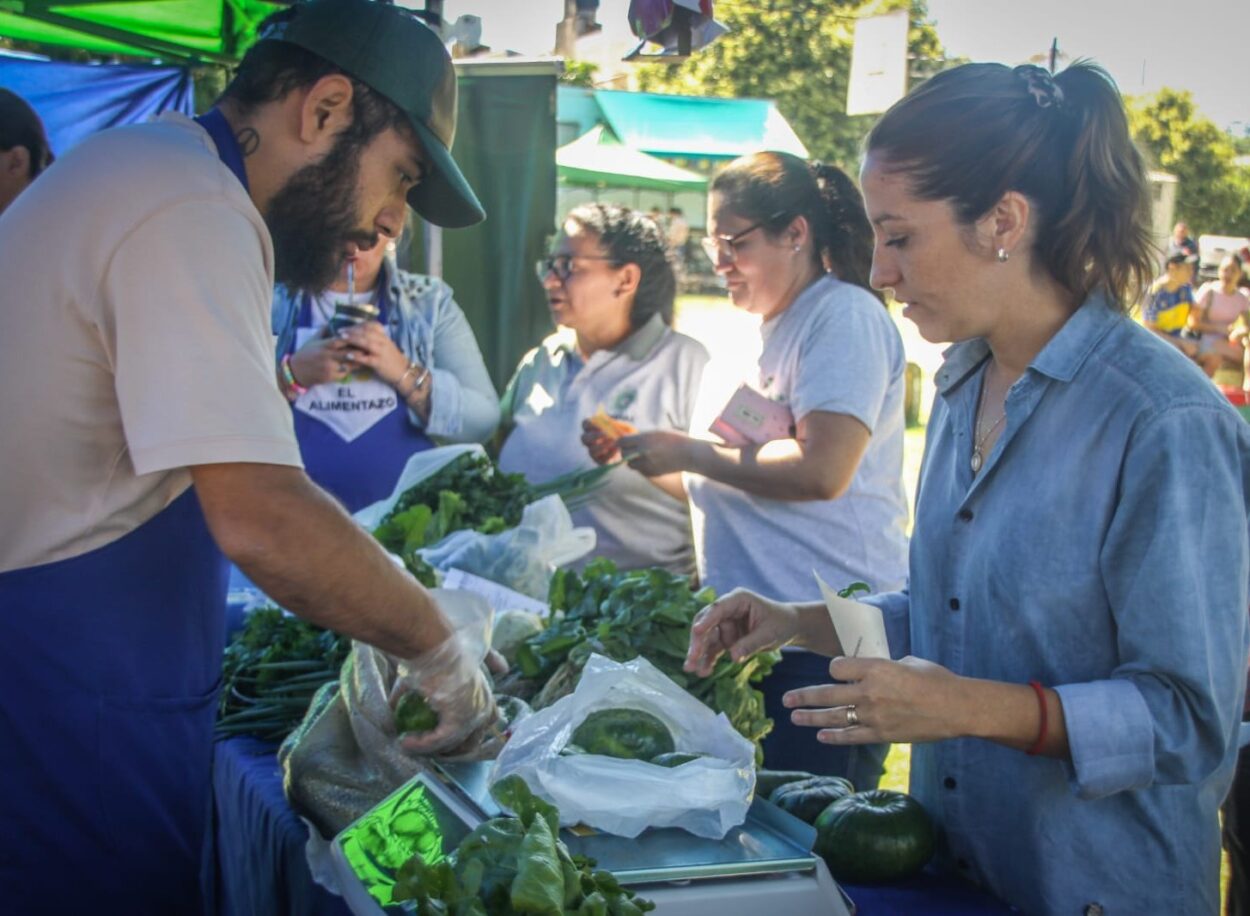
[834,349]
[137,277]
[651,380]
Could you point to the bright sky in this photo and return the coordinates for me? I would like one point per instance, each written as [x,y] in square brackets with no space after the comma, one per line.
[1203,49]
[1199,45]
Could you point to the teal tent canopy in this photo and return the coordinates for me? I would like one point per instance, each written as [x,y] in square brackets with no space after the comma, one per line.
[697,128]
[185,31]
[598,159]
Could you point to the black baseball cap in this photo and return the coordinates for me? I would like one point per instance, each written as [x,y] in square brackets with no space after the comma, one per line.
[390,50]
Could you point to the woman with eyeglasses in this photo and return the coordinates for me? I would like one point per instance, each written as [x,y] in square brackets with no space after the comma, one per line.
[819,489]
[610,285]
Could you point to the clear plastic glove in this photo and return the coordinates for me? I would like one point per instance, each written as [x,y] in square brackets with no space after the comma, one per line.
[451,679]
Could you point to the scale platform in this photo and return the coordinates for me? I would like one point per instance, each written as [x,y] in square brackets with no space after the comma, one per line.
[765,865]
[766,862]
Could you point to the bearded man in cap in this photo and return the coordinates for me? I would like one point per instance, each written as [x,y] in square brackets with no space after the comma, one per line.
[145,437]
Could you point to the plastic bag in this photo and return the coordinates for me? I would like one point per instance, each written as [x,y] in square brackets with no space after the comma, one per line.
[420,466]
[346,757]
[707,797]
[522,558]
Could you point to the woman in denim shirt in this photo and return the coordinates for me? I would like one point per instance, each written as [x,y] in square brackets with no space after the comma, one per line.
[367,398]
[1071,648]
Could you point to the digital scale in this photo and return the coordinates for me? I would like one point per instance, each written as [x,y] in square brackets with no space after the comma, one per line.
[764,865]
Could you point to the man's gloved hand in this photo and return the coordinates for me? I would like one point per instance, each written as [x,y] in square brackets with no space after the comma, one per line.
[451,680]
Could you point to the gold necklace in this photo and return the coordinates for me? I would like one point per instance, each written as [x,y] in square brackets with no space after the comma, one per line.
[978,457]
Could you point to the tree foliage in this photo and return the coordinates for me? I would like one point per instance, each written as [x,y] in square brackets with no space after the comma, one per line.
[799,55]
[1214,193]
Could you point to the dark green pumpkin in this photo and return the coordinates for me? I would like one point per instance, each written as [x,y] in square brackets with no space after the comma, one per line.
[627,733]
[769,781]
[874,837]
[806,798]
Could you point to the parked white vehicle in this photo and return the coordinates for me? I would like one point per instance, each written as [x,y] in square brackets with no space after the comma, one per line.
[1213,248]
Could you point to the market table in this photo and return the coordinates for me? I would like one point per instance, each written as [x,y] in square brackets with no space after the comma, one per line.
[262,871]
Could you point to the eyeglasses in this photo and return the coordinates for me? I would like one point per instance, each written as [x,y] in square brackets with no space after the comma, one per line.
[562,265]
[725,247]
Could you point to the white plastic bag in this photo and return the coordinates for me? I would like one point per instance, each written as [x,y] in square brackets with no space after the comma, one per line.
[521,558]
[345,757]
[707,797]
[418,468]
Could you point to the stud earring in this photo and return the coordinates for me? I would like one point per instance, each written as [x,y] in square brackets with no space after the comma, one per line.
[798,247]
[1003,255]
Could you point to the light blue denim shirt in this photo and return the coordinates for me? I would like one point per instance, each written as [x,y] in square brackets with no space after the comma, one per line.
[1102,551]
[430,328]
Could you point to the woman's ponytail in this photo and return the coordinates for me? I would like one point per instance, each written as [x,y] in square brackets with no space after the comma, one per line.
[1101,240]
[844,237]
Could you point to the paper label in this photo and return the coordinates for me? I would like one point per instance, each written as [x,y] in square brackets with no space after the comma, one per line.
[750,418]
[499,597]
[860,627]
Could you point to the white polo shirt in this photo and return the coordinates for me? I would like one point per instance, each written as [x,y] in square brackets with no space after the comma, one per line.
[651,380]
[137,278]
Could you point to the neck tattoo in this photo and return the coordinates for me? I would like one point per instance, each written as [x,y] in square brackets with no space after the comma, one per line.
[248,140]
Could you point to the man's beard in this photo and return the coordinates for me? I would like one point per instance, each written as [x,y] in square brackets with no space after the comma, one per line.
[313,217]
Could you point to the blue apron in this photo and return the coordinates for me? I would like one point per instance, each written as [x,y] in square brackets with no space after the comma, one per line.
[364,470]
[109,668]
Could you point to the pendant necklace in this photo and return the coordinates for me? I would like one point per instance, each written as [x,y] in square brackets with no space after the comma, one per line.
[978,456]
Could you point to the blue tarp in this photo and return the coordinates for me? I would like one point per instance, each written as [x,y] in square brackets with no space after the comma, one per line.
[76,100]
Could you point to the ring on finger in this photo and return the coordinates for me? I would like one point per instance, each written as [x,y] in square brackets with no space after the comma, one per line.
[852,717]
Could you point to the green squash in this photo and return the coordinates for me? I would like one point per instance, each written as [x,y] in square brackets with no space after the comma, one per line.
[675,759]
[769,781]
[806,798]
[875,837]
[630,734]
[413,714]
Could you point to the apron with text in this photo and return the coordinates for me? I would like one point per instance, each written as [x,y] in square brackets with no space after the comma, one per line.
[109,669]
[355,435]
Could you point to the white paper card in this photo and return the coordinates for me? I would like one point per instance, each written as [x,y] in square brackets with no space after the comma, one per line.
[751,418]
[860,627]
[500,598]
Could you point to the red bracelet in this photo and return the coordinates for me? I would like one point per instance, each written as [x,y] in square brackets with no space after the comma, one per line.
[1043,727]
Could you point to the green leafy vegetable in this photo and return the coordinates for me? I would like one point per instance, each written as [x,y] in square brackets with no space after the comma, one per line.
[270,672]
[414,714]
[470,493]
[645,612]
[515,865]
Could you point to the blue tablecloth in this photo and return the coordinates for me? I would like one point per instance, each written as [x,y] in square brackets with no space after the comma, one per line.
[262,870]
[932,895]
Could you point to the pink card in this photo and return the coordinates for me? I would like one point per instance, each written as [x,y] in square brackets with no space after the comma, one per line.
[752,419]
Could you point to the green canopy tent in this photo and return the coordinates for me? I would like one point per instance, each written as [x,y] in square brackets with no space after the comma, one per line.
[184,31]
[598,159]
